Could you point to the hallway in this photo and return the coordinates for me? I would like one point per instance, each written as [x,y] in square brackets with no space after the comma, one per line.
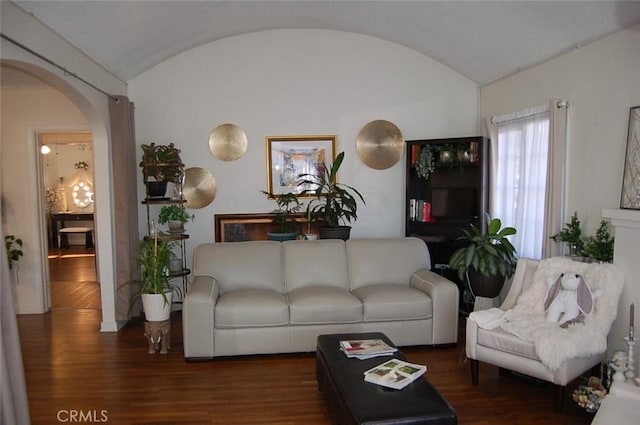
[73,279]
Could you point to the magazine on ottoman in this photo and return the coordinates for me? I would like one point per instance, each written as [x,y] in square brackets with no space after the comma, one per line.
[394,373]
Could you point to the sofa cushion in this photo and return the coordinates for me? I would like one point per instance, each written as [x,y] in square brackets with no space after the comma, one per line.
[310,263]
[247,308]
[241,265]
[322,304]
[385,260]
[501,340]
[393,302]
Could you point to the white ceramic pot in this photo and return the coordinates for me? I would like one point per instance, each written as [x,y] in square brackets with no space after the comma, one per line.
[155,308]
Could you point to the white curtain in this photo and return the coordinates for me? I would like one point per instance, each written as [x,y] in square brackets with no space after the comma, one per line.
[519,177]
[14,407]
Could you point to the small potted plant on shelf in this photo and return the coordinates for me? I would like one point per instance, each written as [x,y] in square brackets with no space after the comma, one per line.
[335,203]
[160,164]
[571,235]
[174,216]
[284,218]
[156,290]
[487,259]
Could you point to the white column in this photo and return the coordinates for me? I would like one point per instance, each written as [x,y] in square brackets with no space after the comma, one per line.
[626,255]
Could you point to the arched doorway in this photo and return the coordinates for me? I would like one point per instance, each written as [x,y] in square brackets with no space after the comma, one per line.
[22,206]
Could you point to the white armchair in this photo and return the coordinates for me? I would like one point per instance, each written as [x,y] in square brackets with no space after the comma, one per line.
[497,346]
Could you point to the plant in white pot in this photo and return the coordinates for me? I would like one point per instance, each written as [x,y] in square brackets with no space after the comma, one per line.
[174,216]
[336,203]
[156,290]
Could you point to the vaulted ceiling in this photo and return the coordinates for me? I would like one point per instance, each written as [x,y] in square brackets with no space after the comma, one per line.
[482,40]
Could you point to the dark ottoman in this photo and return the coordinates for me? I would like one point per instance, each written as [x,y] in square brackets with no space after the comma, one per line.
[350,400]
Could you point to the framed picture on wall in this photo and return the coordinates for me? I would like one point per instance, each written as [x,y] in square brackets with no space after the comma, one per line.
[290,156]
[630,198]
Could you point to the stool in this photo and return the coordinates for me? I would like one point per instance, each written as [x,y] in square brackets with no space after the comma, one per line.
[63,238]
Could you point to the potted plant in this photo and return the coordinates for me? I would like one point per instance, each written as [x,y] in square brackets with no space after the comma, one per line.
[174,216]
[288,205]
[156,290]
[336,203]
[163,164]
[571,235]
[600,246]
[487,259]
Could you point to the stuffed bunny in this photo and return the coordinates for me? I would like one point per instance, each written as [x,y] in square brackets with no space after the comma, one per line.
[566,297]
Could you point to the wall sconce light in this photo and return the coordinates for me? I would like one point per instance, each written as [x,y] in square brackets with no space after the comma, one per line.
[45,149]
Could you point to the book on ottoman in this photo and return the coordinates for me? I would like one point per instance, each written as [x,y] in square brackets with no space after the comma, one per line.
[366,348]
[394,373]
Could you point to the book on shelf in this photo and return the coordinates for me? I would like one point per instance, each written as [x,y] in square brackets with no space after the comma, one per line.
[366,348]
[394,373]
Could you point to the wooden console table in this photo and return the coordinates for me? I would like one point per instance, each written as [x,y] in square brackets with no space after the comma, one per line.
[61,219]
[249,226]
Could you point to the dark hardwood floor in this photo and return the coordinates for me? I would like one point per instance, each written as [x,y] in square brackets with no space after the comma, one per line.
[72,367]
[72,274]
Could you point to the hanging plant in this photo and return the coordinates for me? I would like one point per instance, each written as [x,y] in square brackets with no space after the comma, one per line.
[426,162]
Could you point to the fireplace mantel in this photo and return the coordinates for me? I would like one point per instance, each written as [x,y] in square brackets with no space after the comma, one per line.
[626,255]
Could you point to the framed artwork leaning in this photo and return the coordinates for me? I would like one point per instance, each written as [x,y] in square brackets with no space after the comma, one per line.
[290,156]
[630,198]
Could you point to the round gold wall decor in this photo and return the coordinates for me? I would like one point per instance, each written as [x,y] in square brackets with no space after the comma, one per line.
[228,142]
[380,144]
[199,187]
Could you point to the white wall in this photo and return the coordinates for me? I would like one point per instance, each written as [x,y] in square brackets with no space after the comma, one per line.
[299,82]
[601,82]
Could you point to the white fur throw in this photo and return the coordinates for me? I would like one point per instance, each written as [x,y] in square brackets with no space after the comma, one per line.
[555,345]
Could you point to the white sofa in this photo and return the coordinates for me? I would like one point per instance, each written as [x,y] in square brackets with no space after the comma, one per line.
[263,297]
[620,407]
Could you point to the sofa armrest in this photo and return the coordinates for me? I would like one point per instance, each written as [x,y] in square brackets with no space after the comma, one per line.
[198,317]
[444,296]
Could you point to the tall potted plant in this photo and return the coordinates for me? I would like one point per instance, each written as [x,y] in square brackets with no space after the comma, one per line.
[336,203]
[487,259]
[284,218]
[156,289]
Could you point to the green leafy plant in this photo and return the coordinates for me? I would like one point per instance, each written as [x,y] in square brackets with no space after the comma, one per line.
[489,253]
[288,204]
[335,203]
[153,260]
[173,213]
[426,162]
[571,234]
[14,249]
[600,246]
[162,162]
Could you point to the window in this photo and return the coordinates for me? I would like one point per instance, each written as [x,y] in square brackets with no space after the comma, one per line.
[520,161]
